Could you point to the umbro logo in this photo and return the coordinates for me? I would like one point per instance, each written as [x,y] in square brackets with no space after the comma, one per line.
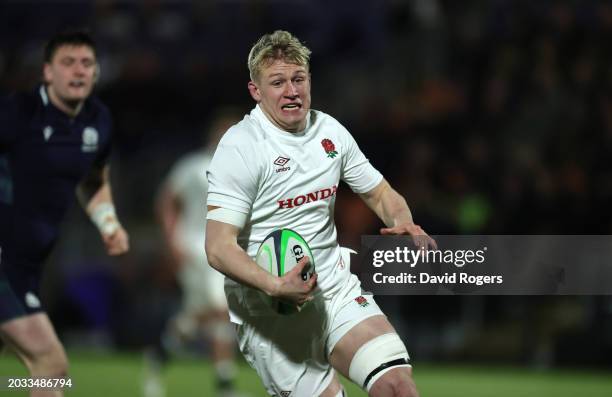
[281,161]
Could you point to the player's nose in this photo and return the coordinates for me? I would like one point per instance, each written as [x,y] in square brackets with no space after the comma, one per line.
[291,90]
[78,69]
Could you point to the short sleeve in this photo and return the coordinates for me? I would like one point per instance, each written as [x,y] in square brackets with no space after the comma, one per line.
[357,171]
[232,183]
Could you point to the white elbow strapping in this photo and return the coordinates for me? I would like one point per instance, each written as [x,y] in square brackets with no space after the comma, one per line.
[224,215]
[376,357]
[104,217]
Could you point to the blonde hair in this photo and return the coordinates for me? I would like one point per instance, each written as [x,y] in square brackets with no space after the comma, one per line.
[278,45]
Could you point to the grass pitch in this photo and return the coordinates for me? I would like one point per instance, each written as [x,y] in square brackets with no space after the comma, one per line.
[118,375]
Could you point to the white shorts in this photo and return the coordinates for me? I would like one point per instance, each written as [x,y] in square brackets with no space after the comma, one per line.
[202,285]
[290,353]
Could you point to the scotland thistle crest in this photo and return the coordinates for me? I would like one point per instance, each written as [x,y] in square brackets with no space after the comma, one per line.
[329,148]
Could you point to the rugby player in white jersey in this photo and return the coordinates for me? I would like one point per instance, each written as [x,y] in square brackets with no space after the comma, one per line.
[279,168]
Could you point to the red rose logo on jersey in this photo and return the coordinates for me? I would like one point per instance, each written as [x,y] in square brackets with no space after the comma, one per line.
[361,301]
[329,148]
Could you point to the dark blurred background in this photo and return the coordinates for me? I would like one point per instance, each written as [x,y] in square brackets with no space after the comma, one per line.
[490,117]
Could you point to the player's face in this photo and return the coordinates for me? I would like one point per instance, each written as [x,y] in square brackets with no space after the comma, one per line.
[283,92]
[71,73]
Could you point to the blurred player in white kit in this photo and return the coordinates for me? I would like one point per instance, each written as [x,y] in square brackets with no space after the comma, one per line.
[181,207]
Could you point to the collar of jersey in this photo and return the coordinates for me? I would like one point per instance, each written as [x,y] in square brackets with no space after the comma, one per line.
[298,137]
[46,101]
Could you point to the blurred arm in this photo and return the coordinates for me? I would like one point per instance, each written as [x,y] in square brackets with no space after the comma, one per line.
[95,196]
[169,207]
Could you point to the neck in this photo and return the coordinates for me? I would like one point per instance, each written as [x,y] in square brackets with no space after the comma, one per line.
[71,108]
[300,128]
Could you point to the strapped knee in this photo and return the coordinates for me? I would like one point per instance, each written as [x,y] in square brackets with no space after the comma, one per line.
[376,357]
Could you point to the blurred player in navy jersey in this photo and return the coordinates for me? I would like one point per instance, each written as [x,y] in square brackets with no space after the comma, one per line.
[53,141]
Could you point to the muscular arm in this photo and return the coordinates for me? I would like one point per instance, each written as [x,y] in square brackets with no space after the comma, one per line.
[393,210]
[95,196]
[388,204]
[225,255]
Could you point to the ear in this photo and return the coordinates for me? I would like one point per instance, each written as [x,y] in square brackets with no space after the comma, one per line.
[254,91]
[47,74]
[96,75]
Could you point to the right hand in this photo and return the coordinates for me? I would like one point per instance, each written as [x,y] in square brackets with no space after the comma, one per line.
[117,242]
[292,289]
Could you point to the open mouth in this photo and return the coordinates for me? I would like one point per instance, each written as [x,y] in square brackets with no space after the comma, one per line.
[76,84]
[291,106]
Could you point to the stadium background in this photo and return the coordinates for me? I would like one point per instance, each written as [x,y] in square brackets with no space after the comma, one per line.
[489,116]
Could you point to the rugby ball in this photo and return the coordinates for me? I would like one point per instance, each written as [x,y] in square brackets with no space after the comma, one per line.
[278,254]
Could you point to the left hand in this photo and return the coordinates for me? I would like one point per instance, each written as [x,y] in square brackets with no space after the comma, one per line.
[420,238]
[117,242]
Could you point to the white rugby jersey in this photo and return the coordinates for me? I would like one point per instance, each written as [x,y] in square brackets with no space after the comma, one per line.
[187,179]
[289,180]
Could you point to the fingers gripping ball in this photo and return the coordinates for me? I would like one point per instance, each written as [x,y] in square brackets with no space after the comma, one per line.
[278,254]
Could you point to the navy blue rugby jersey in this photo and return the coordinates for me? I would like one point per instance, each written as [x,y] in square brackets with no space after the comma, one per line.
[44,154]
